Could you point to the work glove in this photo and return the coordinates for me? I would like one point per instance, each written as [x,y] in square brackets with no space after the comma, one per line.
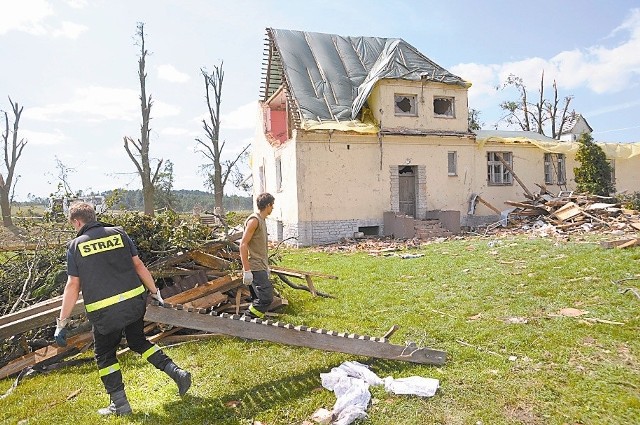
[158,297]
[247,278]
[61,332]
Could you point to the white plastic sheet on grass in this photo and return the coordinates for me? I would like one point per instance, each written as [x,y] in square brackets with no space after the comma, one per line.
[350,382]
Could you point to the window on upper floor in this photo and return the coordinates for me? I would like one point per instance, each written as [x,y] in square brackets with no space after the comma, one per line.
[405,105]
[278,174]
[444,107]
[555,170]
[497,173]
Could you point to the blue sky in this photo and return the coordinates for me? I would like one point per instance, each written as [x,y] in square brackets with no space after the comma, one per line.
[72,64]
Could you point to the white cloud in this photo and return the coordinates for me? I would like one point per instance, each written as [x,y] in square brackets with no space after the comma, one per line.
[177,131]
[24,15]
[43,138]
[171,74]
[243,118]
[76,4]
[95,103]
[598,68]
[69,30]
[30,15]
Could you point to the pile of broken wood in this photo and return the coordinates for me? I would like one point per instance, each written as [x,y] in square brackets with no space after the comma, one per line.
[568,212]
[203,278]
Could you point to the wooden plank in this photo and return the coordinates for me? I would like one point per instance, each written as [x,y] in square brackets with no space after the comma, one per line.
[629,244]
[48,354]
[488,205]
[300,274]
[301,338]
[310,285]
[567,211]
[31,310]
[635,225]
[614,243]
[222,284]
[209,260]
[37,320]
[208,300]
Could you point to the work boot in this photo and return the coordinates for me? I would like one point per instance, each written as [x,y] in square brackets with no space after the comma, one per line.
[119,405]
[180,376]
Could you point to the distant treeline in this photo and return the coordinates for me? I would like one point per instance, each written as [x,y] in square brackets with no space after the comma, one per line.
[177,200]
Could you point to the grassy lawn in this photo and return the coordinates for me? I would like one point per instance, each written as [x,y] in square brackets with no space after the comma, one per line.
[492,305]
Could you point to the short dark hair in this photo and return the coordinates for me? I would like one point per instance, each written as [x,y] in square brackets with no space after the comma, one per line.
[82,211]
[263,200]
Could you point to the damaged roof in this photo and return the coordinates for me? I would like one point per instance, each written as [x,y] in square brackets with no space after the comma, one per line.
[329,77]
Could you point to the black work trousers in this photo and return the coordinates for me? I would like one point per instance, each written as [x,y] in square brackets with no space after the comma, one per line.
[107,345]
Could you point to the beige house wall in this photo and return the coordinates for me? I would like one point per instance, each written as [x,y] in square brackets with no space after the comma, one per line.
[382,99]
[627,172]
[333,183]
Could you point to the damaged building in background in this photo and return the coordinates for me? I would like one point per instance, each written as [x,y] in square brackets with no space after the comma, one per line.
[367,136]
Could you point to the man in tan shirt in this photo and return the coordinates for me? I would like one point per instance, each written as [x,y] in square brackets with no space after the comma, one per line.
[255,257]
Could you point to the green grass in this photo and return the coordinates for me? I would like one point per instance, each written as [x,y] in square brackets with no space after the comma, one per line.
[549,370]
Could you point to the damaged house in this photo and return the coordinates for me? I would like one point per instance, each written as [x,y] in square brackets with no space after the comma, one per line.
[366,135]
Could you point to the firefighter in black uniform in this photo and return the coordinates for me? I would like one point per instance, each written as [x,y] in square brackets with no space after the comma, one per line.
[103,262]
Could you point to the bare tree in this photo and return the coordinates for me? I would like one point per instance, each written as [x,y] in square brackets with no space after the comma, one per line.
[12,151]
[140,157]
[218,171]
[536,116]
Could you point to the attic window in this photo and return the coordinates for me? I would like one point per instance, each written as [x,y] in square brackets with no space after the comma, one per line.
[405,104]
[443,107]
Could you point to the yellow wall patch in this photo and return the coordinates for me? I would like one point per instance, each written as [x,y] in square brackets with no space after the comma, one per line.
[96,246]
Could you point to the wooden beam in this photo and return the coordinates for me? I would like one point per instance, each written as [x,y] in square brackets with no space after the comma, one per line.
[221,284]
[300,274]
[488,205]
[300,336]
[209,260]
[515,176]
[33,321]
[48,354]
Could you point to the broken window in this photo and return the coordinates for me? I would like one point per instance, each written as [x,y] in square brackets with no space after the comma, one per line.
[497,172]
[555,171]
[405,104]
[452,161]
[443,107]
[278,174]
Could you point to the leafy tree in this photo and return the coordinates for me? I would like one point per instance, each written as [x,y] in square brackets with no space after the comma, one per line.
[140,157]
[164,196]
[12,152]
[217,171]
[474,120]
[538,115]
[594,173]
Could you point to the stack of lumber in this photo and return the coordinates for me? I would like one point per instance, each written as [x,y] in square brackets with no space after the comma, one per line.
[205,278]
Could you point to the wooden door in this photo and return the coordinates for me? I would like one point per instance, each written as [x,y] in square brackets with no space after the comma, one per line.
[407,190]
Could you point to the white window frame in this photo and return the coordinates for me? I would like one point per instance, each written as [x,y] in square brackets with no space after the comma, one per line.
[451,112]
[413,101]
[555,168]
[497,173]
[452,163]
[278,174]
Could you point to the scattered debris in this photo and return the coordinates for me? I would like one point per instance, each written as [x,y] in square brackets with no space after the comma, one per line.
[205,278]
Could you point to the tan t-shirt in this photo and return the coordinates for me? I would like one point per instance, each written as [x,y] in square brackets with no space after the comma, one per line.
[258,255]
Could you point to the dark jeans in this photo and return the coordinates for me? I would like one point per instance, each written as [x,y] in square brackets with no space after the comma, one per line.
[107,345]
[263,288]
